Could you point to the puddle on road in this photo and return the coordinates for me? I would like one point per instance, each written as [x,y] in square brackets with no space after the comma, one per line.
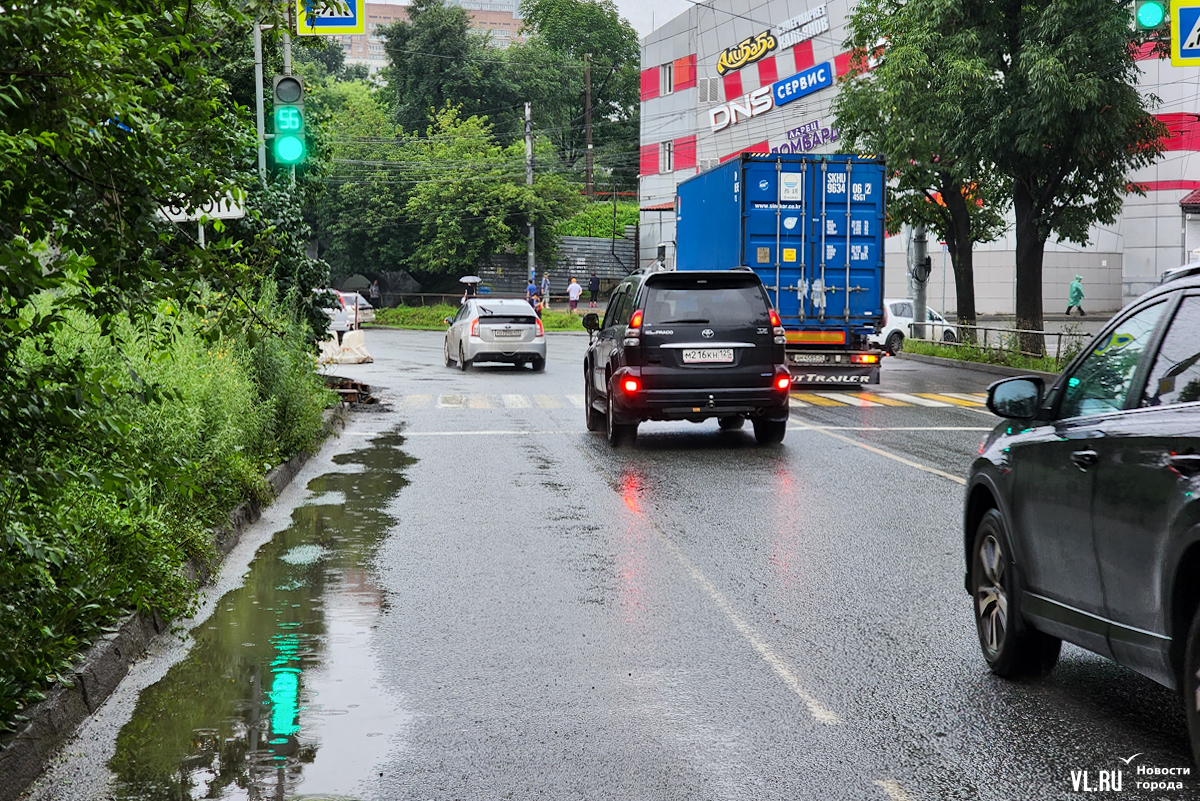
[280,695]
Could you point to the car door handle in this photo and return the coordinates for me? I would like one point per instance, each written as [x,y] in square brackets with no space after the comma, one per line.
[1186,463]
[1085,459]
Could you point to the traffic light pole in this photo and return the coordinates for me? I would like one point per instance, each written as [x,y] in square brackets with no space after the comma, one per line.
[258,104]
[287,70]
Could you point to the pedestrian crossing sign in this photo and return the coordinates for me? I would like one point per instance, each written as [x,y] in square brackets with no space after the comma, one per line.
[330,17]
[1185,33]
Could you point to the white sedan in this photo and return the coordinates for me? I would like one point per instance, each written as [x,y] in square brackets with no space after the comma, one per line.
[897,319]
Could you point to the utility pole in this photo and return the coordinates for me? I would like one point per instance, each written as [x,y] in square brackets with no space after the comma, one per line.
[258,103]
[921,281]
[529,179]
[589,187]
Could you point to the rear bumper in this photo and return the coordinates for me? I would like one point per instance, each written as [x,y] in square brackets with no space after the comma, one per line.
[697,404]
[479,351]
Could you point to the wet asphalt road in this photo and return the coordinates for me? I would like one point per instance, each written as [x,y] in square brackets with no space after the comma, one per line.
[694,618]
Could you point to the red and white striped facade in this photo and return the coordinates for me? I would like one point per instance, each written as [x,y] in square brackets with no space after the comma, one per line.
[687,126]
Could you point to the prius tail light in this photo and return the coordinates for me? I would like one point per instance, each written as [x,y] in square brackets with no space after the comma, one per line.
[541,331]
[475,327]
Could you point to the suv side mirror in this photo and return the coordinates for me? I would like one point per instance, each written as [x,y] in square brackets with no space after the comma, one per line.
[591,322]
[1016,398]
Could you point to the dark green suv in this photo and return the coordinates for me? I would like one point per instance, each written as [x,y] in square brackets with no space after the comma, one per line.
[687,346]
[1083,509]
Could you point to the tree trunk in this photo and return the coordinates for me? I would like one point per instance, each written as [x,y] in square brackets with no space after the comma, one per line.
[1031,246]
[962,257]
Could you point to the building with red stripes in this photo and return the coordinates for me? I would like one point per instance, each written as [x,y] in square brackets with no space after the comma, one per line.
[760,76]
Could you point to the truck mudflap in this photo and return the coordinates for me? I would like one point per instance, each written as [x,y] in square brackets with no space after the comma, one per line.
[833,374]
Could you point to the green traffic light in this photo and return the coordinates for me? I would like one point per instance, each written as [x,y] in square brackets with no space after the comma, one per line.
[289,149]
[1150,15]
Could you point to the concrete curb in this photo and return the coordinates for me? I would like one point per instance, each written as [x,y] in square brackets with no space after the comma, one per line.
[52,722]
[994,369]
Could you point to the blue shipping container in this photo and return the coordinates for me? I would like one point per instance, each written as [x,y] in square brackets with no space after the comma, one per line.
[809,226]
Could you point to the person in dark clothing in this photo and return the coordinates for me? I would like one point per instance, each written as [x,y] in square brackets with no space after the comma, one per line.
[593,290]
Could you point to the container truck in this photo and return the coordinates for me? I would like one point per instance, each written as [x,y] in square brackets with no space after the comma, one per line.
[812,228]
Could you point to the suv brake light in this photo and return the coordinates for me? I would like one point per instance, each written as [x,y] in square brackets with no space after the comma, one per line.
[631,385]
[782,380]
[775,318]
[636,320]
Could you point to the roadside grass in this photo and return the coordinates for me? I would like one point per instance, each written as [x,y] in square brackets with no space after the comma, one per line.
[975,353]
[430,318]
[186,421]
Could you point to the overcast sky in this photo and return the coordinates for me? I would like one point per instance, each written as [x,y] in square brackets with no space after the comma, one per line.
[643,15]
[646,15]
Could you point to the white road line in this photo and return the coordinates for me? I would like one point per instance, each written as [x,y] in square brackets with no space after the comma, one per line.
[491,433]
[415,401]
[892,789]
[896,428]
[764,649]
[547,402]
[853,400]
[515,401]
[795,403]
[913,399]
[451,402]
[956,479]
[480,401]
[575,400]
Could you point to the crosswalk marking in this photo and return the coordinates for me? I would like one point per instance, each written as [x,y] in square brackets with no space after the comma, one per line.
[974,397]
[450,401]
[515,401]
[576,401]
[951,399]
[880,399]
[480,401]
[415,401]
[847,398]
[547,401]
[796,403]
[815,400]
[912,400]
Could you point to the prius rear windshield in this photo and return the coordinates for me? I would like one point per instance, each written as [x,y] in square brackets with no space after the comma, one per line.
[713,301]
[505,319]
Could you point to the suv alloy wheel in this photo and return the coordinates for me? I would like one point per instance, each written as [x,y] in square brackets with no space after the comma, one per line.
[1010,647]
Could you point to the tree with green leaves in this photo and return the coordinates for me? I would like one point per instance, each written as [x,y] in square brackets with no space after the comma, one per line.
[434,58]
[1063,119]
[910,108]
[549,69]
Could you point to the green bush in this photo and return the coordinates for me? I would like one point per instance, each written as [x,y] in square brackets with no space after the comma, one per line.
[186,423]
[597,220]
[432,318]
[976,353]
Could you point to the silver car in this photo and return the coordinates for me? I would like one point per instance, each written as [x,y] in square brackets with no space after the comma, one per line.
[366,312]
[495,330]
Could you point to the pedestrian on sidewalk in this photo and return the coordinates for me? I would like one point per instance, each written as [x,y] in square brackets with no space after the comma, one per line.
[545,290]
[374,292]
[1075,297]
[593,290]
[574,290]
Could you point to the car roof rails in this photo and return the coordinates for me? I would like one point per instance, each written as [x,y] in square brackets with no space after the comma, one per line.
[1183,271]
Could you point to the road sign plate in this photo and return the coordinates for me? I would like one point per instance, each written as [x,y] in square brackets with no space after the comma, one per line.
[330,17]
[1185,33]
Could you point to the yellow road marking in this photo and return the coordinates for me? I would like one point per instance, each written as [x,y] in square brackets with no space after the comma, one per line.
[815,400]
[950,399]
[873,398]
[547,401]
